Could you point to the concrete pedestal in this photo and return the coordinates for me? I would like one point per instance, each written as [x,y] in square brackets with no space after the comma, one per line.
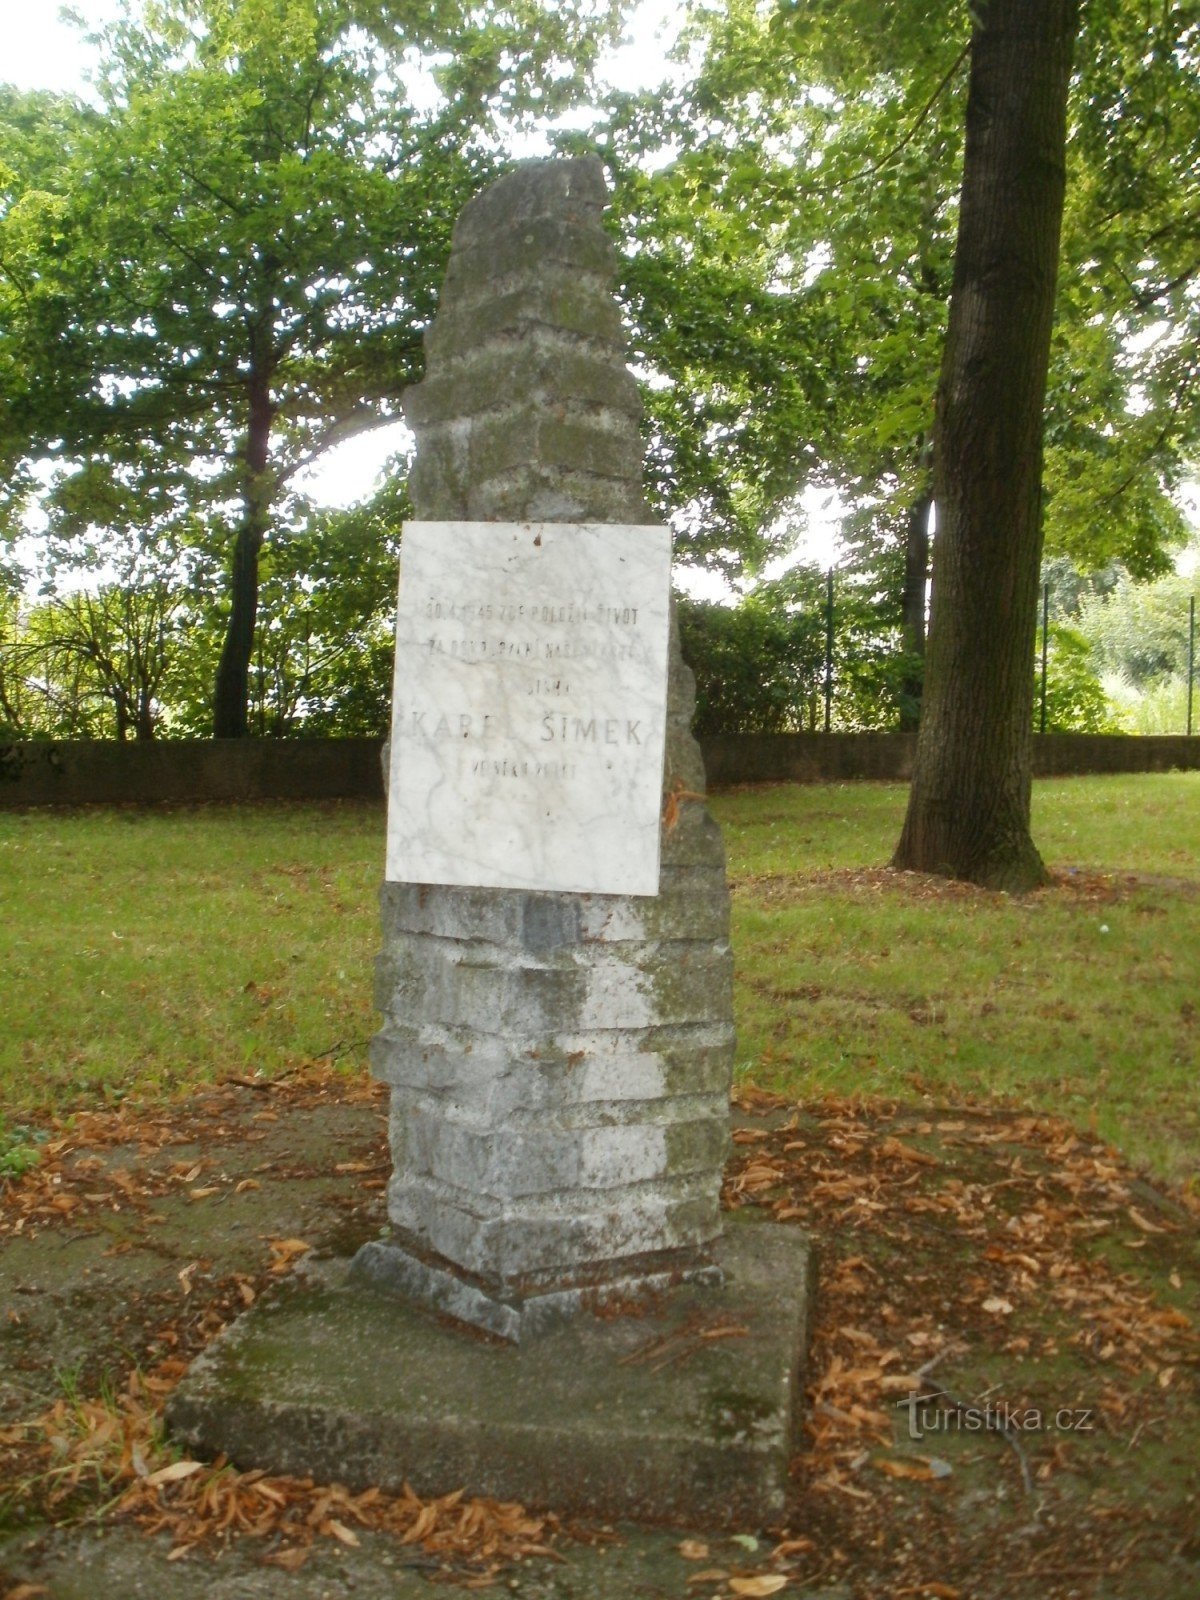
[683,1412]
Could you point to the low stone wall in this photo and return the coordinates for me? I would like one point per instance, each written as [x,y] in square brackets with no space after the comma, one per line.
[85,772]
[733,758]
[1061,755]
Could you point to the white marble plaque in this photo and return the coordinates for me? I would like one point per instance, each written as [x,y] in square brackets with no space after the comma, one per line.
[529,706]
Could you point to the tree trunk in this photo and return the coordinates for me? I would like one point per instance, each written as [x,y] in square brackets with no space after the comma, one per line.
[968,812]
[916,577]
[145,716]
[233,670]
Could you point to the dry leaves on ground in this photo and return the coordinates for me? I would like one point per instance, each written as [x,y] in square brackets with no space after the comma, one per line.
[114,1455]
[968,1234]
[96,1163]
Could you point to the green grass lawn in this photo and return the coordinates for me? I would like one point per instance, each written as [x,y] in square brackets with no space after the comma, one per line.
[144,951]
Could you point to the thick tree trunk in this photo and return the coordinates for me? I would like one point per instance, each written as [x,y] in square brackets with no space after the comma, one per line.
[916,577]
[232,691]
[968,812]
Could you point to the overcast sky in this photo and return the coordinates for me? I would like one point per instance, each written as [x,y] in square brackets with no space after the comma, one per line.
[43,52]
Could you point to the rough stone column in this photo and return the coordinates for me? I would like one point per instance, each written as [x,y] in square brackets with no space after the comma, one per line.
[559,1064]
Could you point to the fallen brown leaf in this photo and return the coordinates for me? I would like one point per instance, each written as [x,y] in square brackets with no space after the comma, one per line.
[290,1559]
[918,1471]
[173,1473]
[1144,1223]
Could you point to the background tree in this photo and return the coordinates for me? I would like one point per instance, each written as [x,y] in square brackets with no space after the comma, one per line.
[790,262]
[114,646]
[779,289]
[1075,698]
[323,658]
[968,810]
[16,721]
[38,134]
[100,656]
[243,250]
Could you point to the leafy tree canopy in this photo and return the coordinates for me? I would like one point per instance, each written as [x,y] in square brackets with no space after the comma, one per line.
[790,252]
[233,263]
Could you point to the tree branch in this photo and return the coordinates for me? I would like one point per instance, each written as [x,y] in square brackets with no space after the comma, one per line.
[869,172]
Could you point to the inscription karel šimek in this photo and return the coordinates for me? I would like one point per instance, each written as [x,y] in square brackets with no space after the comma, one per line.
[567,730]
[554,727]
[529,717]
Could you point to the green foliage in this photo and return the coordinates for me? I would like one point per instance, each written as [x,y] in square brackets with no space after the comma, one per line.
[15,721]
[19,1149]
[136,657]
[234,262]
[788,261]
[1138,634]
[111,648]
[1075,697]
[1139,631]
[759,664]
[323,659]
[1124,414]
[1162,707]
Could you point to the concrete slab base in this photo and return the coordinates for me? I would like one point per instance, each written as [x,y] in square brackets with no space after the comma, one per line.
[684,1411]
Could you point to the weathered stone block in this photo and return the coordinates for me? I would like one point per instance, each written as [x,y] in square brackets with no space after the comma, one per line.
[553,1158]
[558,299]
[521,250]
[541,1244]
[548,374]
[570,193]
[526,435]
[539,494]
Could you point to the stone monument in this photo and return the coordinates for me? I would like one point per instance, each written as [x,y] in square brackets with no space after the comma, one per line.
[554,982]
[559,1061]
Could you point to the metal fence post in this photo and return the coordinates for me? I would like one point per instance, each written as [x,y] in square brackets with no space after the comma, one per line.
[828,647]
[1045,641]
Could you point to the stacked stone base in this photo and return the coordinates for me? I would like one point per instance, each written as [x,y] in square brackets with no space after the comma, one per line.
[521,1313]
[559,1067]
